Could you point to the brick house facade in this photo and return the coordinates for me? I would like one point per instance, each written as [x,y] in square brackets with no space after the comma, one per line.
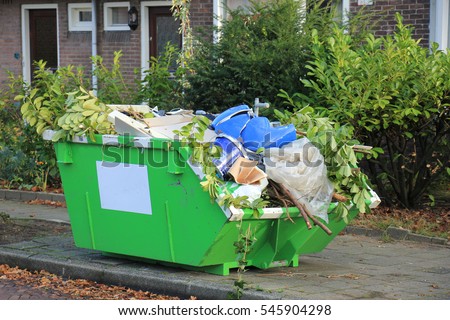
[430,18]
[75,47]
[414,12]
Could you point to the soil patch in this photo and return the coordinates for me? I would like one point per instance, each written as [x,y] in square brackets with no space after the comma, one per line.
[431,221]
[17,230]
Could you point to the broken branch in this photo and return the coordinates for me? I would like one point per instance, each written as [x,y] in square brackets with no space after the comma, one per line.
[283,190]
[317,222]
[304,212]
[339,197]
[282,200]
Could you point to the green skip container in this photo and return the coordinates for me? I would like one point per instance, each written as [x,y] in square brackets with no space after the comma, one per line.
[141,198]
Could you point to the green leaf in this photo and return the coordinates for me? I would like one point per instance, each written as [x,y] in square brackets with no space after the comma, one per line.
[355,189]
[378,150]
[88,113]
[58,135]
[24,107]
[33,121]
[432,200]
[333,144]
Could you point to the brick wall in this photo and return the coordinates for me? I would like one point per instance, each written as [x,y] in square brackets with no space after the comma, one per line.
[414,12]
[10,40]
[129,42]
[74,46]
[201,13]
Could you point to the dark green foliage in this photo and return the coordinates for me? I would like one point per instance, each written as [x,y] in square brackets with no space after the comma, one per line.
[261,50]
[396,95]
[26,160]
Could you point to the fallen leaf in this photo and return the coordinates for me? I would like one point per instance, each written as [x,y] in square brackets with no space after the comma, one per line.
[76,288]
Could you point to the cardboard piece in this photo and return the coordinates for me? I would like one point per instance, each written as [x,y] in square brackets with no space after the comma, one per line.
[163,127]
[168,120]
[133,107]
[125,125]
[245,171]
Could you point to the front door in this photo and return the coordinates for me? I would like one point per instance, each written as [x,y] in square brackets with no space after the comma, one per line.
[163,29]
[43,37]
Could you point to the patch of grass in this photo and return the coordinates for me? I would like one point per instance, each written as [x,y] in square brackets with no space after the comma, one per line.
[4,217]
[386,238]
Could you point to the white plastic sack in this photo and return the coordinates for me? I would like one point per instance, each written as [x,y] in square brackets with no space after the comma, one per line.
[300,167]
[252,191]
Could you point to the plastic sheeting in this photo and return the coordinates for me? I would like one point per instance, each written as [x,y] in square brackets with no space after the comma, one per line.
[300,167]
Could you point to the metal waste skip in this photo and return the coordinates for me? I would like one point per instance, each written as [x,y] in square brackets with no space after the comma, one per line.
[140,197]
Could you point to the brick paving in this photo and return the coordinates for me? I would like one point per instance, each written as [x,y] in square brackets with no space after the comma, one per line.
[14,290]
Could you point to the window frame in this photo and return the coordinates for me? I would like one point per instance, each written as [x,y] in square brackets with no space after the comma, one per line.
[439,25]
[107,16]
[74,23]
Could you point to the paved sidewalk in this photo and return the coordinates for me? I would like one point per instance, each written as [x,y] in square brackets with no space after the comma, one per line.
[12,290]
[351,267]
[22,210]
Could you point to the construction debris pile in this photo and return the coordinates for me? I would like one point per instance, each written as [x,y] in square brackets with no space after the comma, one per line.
[254,151]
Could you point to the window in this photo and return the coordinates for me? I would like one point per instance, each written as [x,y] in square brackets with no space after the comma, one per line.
[235,4]
[440,23]
[342,6]
[116,16]
[80,16]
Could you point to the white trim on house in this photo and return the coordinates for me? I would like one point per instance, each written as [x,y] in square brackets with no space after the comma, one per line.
[145,31]
[107,16]
[73,13]
[439,23]
[345,10]
[25,15]
[217,17]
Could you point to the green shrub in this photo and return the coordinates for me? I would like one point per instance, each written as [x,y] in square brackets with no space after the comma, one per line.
[261,50]
[111,85]
[396,95]
[44,102]
[163,85]
[26,160]
[57,101]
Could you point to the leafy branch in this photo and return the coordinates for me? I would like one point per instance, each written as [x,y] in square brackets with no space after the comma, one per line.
[337,145]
